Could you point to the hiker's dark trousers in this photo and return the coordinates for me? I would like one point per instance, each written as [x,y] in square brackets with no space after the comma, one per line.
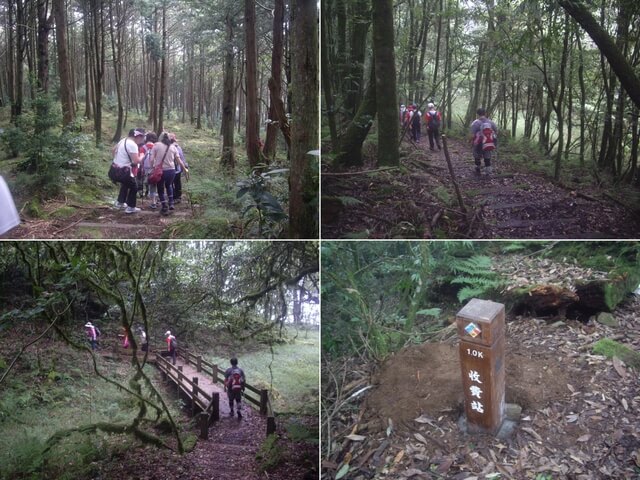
[234,395]
[434,137]
[177,186]
[166,183]
[128,185]
[173,354]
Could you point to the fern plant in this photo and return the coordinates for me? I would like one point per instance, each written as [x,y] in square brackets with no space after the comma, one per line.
[475,276]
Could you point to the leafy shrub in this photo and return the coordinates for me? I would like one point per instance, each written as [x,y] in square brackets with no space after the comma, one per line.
[265,209]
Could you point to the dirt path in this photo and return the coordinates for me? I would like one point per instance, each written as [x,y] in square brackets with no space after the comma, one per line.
[228,454]
[418,201]
[102,221]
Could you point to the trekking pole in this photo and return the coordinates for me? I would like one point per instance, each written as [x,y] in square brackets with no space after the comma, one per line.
[452,173]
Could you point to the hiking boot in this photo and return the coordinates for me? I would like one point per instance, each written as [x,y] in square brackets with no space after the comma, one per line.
[164,211]
[119,205]
[171,207]
[153,206]
[231,414]
[132,210]
[478,170]
[239,415]
[487,171]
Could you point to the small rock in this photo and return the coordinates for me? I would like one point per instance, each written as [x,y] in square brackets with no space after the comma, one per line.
[513,411]
[607,319]
[558,324]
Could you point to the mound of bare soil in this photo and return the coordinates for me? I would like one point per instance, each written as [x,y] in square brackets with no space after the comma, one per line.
[426,380]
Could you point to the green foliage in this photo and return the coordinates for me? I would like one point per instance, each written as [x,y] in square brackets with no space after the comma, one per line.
[265,209]
[476,276]
[270,454]
[610,348]
[297,431]
[14,140]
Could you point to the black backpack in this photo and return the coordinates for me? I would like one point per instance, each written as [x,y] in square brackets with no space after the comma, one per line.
[434,122]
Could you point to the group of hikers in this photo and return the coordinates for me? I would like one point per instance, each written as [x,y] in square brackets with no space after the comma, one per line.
[145,165]
[483,132]
[234,377]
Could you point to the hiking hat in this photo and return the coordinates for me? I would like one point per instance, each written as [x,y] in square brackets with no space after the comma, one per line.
[431,105]
[88,324]
[168,332]
[137,132]
[402,105]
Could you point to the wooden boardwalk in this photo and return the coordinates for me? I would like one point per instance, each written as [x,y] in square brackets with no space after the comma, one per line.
[201,384]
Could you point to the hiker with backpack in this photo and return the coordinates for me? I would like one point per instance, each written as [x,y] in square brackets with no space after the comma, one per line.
[180,167]
[164,155]
[484,138]
[147,166]
[125,158]
[92,334]
[433,119]
[172,345]
[416,116]
[234,382]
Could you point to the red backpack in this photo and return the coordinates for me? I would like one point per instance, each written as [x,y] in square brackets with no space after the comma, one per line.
[486,137]
[234,380]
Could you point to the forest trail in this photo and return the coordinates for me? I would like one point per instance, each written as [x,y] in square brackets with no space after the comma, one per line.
[419,202]
[228,454]
[104,221]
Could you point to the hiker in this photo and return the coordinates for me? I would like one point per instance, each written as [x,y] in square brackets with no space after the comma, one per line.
[416,115]
[172,345]
[433,119]
[403,109]
[143,340]
[125,158]
[165,153]
[180,167]
[9,217]
[151,189]
[92,333]
[234,381]
[484,137]
[125,338]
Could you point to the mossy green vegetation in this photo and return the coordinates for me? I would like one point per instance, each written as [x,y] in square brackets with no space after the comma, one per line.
[610,348]
[55,390]
[270,454]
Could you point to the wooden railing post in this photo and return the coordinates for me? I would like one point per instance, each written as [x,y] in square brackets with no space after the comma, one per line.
[199,364]
[271,425]
[215,408]
[264,400]
[194,395]
[215,373]
[204,425]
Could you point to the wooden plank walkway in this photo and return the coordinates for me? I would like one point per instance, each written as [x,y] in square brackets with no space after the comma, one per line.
[202,384]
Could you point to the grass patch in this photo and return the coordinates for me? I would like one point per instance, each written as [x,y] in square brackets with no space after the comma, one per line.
[295,372]
[610,348]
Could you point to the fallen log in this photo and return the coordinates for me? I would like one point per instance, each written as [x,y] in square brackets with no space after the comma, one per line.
[605,295]
[544,300]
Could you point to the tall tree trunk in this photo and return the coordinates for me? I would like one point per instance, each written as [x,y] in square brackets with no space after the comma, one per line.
[21,29]
[64,68]
[386,96]
[327,81]
[360,21]
[252,130]
[44,25]
[12,65]
[303,181]
[163,71]
[98,47]
[276,74]
[349,150]
[228,99]
[116,31]
[200,88]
